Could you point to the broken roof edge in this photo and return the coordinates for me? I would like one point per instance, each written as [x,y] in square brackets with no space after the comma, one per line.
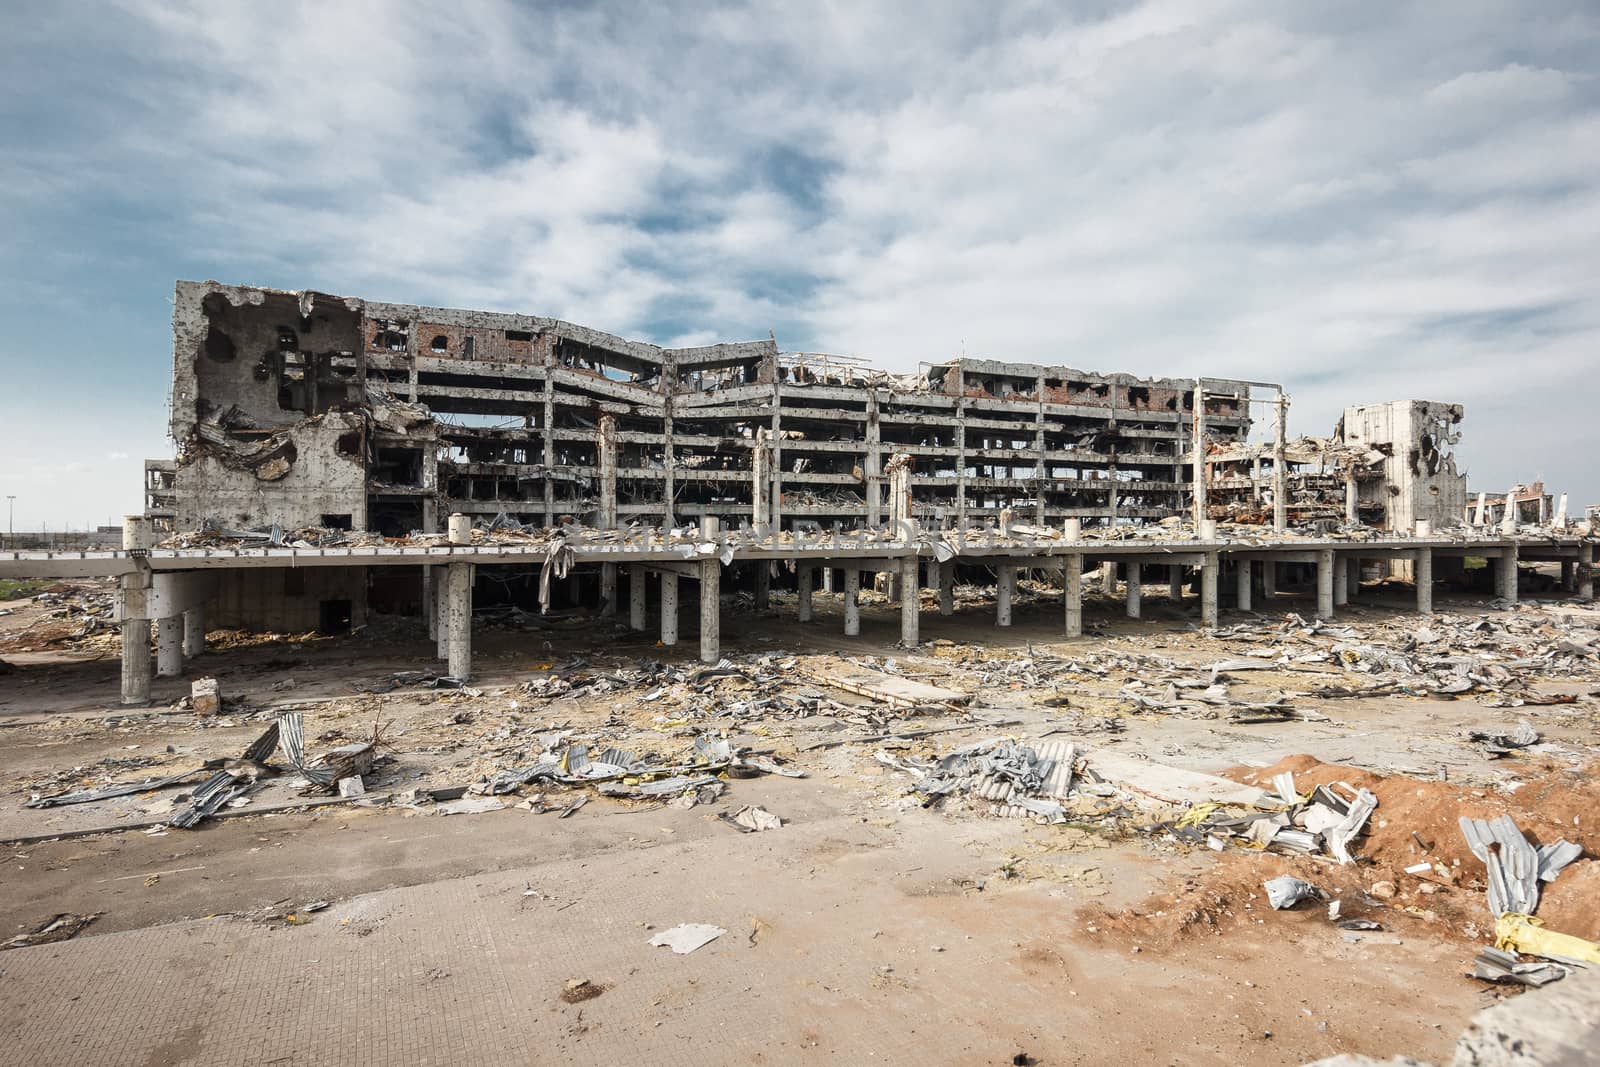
[241,295]
[967,364]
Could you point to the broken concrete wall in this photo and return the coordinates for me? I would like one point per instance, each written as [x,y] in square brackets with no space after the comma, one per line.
[1420,479]
[290,599]
[298,477]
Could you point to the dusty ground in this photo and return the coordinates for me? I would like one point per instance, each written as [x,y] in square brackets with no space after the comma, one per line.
[868,927]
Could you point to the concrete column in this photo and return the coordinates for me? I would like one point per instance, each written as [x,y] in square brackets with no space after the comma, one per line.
[169,647]
[910,602]
[1508,521]
[763,584]
[430,610]
[710,595]
[1280,476]
[1005,587]
[1341,583]
[574,587]
[1508,574]
[1208,591]
[1074,595]
[1350,512]
[608,590]
[460,616]
[441,600]
[1352,577]
[1325,584]
[1175,582]
[1269,579]
[1242,580]
[135,593]
[460,531]
[1569,575]
[1478,513]
[1586,570]
[636,596]
[1423,571]
[947,587]
[1108,578]
[669,608]
[806,575]
[194,631]
[827,579]
[852,602]
[135,656]
[1133,594]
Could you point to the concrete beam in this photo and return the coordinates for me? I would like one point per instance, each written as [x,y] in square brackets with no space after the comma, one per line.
[1074,596]
[1208,593]
[1325,584]
[169,647]
[669,608]
[852,602]
[710,596]
[1422,570]
[636,597]
[460,619]
[194,631]
[608,590]
[910,603]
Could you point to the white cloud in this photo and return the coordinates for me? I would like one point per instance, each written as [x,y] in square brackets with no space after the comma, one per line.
[1361,208]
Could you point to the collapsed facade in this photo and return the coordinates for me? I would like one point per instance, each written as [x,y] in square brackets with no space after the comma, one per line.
[301,409]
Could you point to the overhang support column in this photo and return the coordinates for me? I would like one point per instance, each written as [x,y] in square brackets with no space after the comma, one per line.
[1134,593]
[852,601]
[1325,584]
[1423,574]
[711,593]
[1004,588]
[1074,595]
[669,608]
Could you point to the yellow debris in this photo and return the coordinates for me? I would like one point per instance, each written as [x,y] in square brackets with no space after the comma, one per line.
[1524,933]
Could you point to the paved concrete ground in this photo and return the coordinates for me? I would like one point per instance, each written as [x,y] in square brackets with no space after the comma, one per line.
[866,948]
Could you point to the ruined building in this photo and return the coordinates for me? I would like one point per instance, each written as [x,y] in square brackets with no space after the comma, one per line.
[302,409]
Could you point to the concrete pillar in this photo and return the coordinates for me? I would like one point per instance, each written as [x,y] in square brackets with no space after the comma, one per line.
[1004,588]
[827,579]
[1352,577]
[910,602]
[1108,578]
[1586,570]
[1508,574]
[763,584]
[1325,584]
[1242,580]
[852,602]
[574,588]
[1280,474]
[1072,529]
[135,590]
[1569,575]
[711,593]
[1269,579]
[1131,597]
[1508,521]
[636,596]
[806,575]
[460,532]
[135,657]
[1175,581]
[460,616]
[1560,521]
[1208,591]
[1423,571]
[608,590]
[1074,595]
[669,608]
[1478,513]
[430,611]
[169,647]
[947,587]
[1341,581]
[194,631]
[1350,513]
[441,600]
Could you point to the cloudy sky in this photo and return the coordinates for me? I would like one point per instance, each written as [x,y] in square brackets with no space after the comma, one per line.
[1363,201]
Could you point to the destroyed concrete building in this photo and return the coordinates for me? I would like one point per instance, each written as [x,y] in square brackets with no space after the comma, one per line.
[301,409]
[1420,482]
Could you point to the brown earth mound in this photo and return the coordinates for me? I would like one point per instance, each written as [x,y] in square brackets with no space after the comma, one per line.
[1416,822]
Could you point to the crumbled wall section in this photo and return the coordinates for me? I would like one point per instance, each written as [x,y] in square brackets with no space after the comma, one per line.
[1420,479]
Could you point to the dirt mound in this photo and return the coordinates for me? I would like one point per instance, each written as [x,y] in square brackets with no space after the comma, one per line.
[1416,822]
